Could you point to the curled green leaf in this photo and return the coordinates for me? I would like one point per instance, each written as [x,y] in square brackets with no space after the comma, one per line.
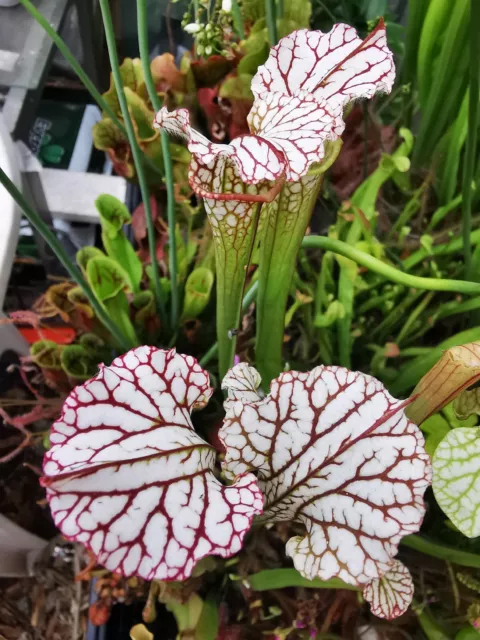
[78,363]
[85,254]
[113,216]
[46,354]
[467,404]
[108,281]
[198,289]
[106,277]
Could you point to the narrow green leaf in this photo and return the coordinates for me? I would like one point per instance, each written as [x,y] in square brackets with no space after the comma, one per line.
[283,578]
[209,621]
[444,552]
[447,86]
[448,172]
[471,143]
[415,20]
[430,627]
[238,23]
[430,43]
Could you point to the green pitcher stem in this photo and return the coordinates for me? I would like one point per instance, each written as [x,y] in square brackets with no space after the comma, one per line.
[284,225]
[233,252]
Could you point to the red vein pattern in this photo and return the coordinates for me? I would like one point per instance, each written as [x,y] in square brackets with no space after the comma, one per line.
[391,595]
[242,383]
[232,220]
[256,159]
[128,476]
[337,66]
[298,126]
[334,451]
[300,94]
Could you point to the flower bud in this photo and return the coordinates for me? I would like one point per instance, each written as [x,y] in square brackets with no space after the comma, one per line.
[193,27]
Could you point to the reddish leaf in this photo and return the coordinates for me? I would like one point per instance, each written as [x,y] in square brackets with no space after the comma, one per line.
[208,72]
[347,172]
[166,75]
[99,613]
[217,119]
[139,226]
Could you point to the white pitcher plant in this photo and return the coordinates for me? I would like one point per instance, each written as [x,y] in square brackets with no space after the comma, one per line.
[128,477]
[297,117]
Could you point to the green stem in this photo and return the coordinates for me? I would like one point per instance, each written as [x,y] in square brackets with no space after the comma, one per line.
[363,200]
[238,23]
[396,316]
[209,355]
[413,317]
[443,211]
[451,247]
[271,16]
[142,23]
[389,272]
[172,225]
[471,146]
[136,152]
[285,221]
[77,68]
[283,578]
[463,558]
[430,627]
[375,302]
[74,272]
[247,301]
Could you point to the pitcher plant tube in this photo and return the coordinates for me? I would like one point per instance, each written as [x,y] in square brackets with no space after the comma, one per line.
[300,94]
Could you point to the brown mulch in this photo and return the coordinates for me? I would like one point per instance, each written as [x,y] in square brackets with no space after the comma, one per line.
[48,606]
